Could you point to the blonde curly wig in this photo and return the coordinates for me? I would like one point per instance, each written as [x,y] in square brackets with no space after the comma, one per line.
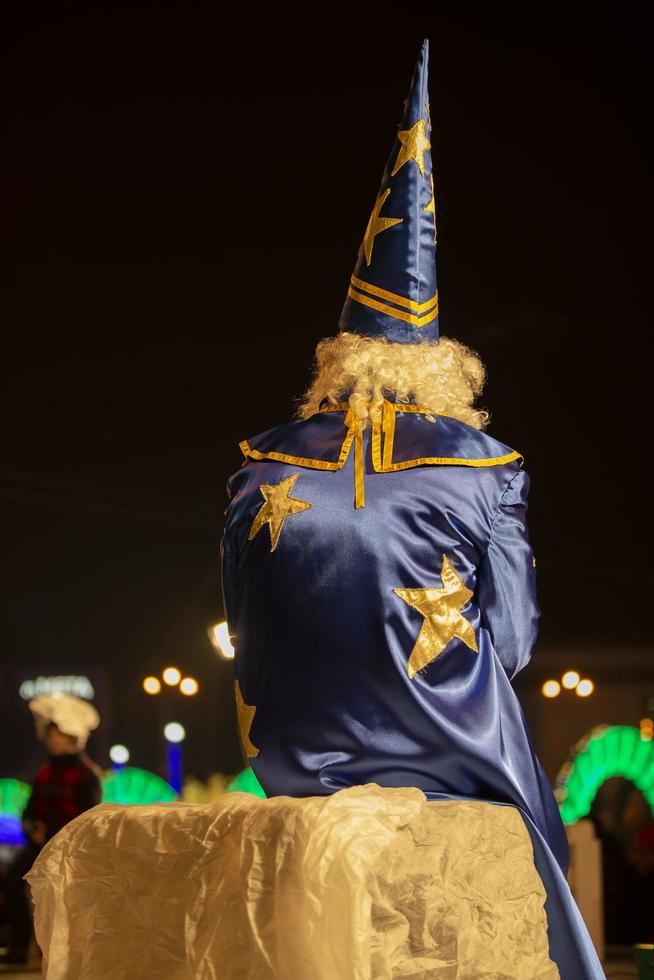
[443,376]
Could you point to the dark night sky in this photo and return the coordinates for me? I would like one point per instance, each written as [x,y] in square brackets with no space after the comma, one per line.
[183,199]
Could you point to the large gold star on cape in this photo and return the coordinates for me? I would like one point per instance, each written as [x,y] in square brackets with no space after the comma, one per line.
[377,224]
[443,621]
[246,713]
[277,507]
[415,144]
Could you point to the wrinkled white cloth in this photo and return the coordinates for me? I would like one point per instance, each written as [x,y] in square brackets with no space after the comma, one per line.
[366,884]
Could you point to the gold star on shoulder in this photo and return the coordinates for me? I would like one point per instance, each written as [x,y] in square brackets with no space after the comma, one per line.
[443,621]
[246,713]
[415,144]
[277,507]
[377,224]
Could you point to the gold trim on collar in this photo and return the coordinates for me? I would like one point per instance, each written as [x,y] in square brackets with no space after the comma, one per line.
[313,464]
[355,426]
[388,428]
[383,428]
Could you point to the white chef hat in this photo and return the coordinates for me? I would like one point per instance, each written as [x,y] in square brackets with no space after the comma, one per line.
[72,716]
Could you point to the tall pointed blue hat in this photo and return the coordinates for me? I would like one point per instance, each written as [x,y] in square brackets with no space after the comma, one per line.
[393,292]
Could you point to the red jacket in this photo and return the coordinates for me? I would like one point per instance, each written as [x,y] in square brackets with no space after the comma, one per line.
[64,787]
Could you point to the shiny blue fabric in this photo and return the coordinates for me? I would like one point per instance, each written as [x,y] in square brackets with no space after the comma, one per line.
[322,639]
[404,256]
[415,438]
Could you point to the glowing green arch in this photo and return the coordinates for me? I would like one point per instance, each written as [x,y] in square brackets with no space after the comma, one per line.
[606,751]
[13,797]
[246,782]
[131,785]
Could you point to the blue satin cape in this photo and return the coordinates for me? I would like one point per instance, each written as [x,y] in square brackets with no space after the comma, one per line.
[323,639]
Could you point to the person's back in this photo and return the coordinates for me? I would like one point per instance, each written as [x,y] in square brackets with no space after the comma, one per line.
[376,643]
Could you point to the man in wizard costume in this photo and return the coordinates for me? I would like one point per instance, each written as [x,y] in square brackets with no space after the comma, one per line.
[378,578]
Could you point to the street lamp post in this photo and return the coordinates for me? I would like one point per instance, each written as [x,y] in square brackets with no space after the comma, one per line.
[171,680]
[571,681]
[174,733]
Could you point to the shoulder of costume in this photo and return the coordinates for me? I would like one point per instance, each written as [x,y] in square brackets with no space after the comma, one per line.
[405,437]
[315,443]
[446,441]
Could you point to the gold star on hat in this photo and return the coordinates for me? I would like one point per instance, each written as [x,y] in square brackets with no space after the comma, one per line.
[246,713]
[430,208]
[377,224]
[277,507]
[415,144]
[443,621]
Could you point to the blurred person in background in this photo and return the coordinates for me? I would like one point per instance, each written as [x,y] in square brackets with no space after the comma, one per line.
[66,785]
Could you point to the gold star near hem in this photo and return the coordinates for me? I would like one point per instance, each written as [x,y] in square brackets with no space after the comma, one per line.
[443,621]
[277,507]
[431,207]
[415,144]
[246,713]
[377,224]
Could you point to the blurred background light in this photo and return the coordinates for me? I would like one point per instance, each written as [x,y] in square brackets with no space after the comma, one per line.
[172,676]
[220,640]
[246,782]
[189,686]
[570,679]
[119,754]
[551,688]
[174,763]
[126,785]
[584,688]
[151,685]
[646,729]
[75,684]
[174,732]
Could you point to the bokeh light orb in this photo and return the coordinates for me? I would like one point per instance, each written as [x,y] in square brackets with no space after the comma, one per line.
[221,641]
[570,679]
[189,686]
[551,688]
[172,676]
[174,732]
[119,754]
[585,687]
[151,685]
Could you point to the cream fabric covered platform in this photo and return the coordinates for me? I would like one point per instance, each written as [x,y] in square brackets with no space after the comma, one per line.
[367,884]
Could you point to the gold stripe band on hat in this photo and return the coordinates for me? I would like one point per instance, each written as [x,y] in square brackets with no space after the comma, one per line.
[421,321]
[394,297]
